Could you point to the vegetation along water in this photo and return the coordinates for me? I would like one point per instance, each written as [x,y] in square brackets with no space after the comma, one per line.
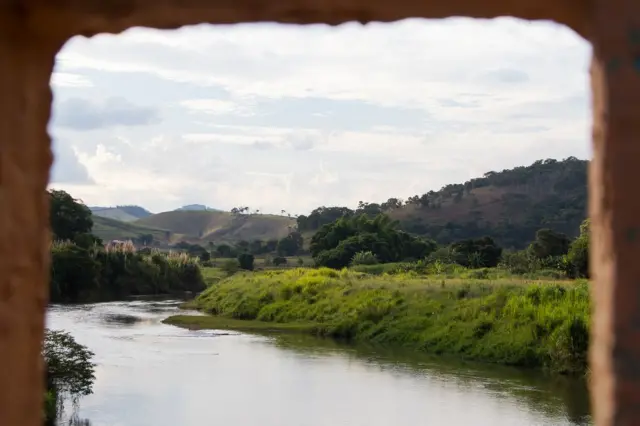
[364,276]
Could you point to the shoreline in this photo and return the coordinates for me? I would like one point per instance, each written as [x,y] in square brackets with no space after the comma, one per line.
[535,325]
[211,322]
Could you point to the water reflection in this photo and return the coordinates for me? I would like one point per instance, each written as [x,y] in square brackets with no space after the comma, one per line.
[150,373]
[551,394]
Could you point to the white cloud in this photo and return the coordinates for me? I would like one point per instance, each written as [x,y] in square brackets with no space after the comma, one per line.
[217,106]
[64,79]
[285,117]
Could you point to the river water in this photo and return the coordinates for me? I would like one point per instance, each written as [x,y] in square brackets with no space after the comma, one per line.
[151,374]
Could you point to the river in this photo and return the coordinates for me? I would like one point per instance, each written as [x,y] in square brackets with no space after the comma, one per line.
[151,374]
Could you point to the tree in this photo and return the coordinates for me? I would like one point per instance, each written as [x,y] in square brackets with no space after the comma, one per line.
[69,367]
[578,255]
[68,216]
[477,253]
[74,273]
[335,244]
[391,203]
[321,216]
[224,250]
[271,246]
[549,243]
[245,260]
[277,261]
[290,245]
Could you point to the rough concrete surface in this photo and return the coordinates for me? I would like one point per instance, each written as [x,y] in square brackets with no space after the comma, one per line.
[32,31]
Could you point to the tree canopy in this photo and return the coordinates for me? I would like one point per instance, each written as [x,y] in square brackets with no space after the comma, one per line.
[69,366]
[69,217]
[335,244]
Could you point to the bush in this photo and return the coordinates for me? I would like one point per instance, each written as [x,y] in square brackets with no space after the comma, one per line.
[364,258]
[116,272]
[69,371]
[279,261]
[230,266]
[69,366]
[245,261]
[577,259]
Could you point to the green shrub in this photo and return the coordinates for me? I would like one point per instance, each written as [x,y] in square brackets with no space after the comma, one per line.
[364,258]
[70,374]
[230,266]
[279,261]
[245,261]
[116,272]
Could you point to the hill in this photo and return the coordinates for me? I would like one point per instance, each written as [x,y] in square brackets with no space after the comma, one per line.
[112,229]
[509,206]
[218,226]
[195,207]
[121,213]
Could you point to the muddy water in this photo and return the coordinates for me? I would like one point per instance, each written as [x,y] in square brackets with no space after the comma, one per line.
[150,374]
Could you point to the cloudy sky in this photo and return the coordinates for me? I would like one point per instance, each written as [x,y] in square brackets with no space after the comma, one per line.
[285,117]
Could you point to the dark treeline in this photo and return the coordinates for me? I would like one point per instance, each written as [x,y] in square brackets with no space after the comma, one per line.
[83,269]
[291,245]
[360,239]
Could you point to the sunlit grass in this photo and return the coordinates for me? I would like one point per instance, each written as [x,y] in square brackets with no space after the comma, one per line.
[509,320]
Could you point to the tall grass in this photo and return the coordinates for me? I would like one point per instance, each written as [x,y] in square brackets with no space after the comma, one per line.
[502,320]
[117,271]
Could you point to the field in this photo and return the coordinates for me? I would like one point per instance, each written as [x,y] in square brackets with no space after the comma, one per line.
[218,226]
[509,320]
[111,229]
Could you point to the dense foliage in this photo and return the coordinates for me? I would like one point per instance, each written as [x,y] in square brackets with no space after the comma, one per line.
[69,371]
[335,244]
[69,366]
[510,206]
[84,270]
[245,261]
[115,272]
[476,253]
[69,218]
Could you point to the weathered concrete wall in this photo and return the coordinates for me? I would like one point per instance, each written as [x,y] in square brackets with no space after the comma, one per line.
[31,32]
[25,66]
[615,212]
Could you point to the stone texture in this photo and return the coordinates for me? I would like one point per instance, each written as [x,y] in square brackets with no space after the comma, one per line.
[25,67]
[31,32]
[95,16]
[615,213]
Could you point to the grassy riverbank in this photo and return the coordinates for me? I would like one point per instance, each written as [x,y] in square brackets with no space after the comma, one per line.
[507,321]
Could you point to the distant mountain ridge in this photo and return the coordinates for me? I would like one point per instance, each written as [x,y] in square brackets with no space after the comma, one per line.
[510,206]
[196,207]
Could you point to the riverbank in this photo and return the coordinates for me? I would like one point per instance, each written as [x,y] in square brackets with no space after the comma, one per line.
[513,322]
[319,381]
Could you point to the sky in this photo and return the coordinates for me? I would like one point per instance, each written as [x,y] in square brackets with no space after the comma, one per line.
[279,117]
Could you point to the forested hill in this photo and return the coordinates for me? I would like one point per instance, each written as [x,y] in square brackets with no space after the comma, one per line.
[509,206]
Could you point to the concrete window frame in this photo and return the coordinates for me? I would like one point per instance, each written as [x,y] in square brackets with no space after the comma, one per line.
[33,31]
